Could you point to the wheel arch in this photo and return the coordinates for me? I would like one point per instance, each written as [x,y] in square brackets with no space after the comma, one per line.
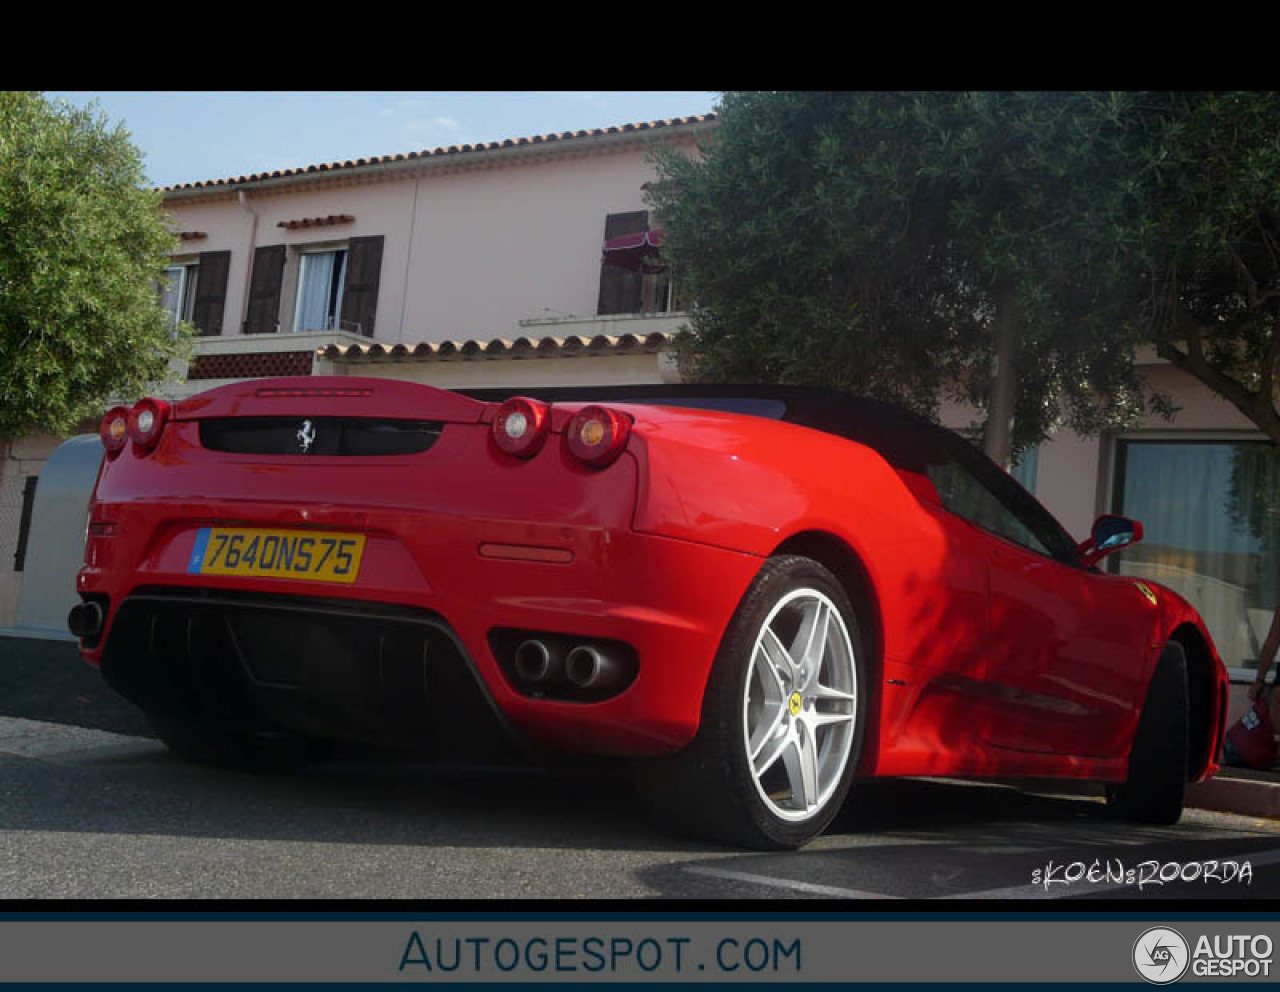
[837,556]
[1206,711]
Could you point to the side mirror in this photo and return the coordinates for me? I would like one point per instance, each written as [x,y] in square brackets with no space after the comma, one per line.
[1110,533]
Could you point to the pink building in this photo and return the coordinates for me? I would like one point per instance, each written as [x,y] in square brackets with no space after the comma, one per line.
[462,266]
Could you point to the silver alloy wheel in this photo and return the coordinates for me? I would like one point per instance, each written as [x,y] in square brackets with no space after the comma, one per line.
[800,704]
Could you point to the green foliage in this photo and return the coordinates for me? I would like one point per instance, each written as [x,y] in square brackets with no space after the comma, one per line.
[83,247]
[774,235]
[1204,177]
[869,240]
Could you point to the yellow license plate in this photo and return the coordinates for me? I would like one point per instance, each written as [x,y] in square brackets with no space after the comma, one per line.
[313,555]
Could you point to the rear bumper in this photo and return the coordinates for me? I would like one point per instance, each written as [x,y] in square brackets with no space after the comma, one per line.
[317,667]
[424,590]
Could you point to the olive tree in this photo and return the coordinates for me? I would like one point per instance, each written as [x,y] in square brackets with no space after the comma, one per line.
[913,246]
[83,246]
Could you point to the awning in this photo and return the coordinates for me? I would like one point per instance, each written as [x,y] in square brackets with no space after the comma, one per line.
[637,252]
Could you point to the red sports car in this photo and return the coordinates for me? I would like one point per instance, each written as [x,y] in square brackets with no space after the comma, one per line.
[755,594]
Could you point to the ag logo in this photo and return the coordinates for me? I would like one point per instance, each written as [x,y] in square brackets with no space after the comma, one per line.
[1146,591]
[1161,955]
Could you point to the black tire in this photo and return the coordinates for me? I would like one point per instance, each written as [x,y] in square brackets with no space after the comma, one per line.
[708,789]
[203,743]
[1156,786]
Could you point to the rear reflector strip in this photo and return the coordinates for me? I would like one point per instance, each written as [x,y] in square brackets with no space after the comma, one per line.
[524,552]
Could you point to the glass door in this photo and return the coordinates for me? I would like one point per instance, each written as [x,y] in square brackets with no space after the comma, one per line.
[1211,514]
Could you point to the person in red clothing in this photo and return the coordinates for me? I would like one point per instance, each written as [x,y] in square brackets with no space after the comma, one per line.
[1251,743]
[1266,656]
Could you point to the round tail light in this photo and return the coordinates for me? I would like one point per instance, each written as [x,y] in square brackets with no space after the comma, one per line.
[114,429]
[521,426]
[146,422]
[597,435]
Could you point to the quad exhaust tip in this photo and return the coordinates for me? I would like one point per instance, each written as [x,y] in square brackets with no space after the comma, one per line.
[587,667]
[85,620]
[564,666]
[536,662]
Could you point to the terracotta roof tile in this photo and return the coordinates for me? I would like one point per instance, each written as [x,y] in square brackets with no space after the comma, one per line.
[328,221]
[523,347]
[438,152]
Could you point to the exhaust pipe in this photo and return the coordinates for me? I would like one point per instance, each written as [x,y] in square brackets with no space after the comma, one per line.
[536,661]
[85,619]
[588,667]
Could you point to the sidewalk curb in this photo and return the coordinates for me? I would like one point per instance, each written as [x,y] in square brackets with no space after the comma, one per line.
[1245,796]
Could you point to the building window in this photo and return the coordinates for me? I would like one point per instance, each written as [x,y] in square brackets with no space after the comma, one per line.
[179,292]
[322,276]
[1210,512]
[633,277]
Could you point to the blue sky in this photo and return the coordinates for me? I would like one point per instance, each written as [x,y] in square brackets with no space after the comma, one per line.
[189,136]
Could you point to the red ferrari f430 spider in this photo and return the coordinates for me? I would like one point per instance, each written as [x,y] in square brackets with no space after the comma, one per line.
[755,595]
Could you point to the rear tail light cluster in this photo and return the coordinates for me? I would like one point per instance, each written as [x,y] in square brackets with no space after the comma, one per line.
[521,426]
[595,435]
[114,429]
[143,424]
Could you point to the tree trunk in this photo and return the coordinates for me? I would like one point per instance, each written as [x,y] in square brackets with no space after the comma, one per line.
[1259,406]
[998,436]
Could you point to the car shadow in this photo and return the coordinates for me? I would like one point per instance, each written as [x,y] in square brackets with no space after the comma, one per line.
[140,788]
[912,837]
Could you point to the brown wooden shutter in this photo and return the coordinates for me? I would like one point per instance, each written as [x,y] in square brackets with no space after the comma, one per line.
[211,291]
[264,290]
[620,290]
[360,294]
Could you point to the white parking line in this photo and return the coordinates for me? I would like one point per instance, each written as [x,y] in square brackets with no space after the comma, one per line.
[809,888]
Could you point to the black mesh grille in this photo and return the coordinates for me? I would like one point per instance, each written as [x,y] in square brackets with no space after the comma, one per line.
[318,435]
[393,676]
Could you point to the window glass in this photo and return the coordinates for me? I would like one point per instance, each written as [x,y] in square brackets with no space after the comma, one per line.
[966,496]
[1210,512]
[633,282]
[320,280]
[178,292]
[1025,468]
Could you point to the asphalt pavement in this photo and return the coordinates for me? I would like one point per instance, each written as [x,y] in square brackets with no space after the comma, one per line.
[92,807]
[47,680]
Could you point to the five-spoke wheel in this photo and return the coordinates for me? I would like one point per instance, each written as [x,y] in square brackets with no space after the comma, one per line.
[782,717]
[800,704]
